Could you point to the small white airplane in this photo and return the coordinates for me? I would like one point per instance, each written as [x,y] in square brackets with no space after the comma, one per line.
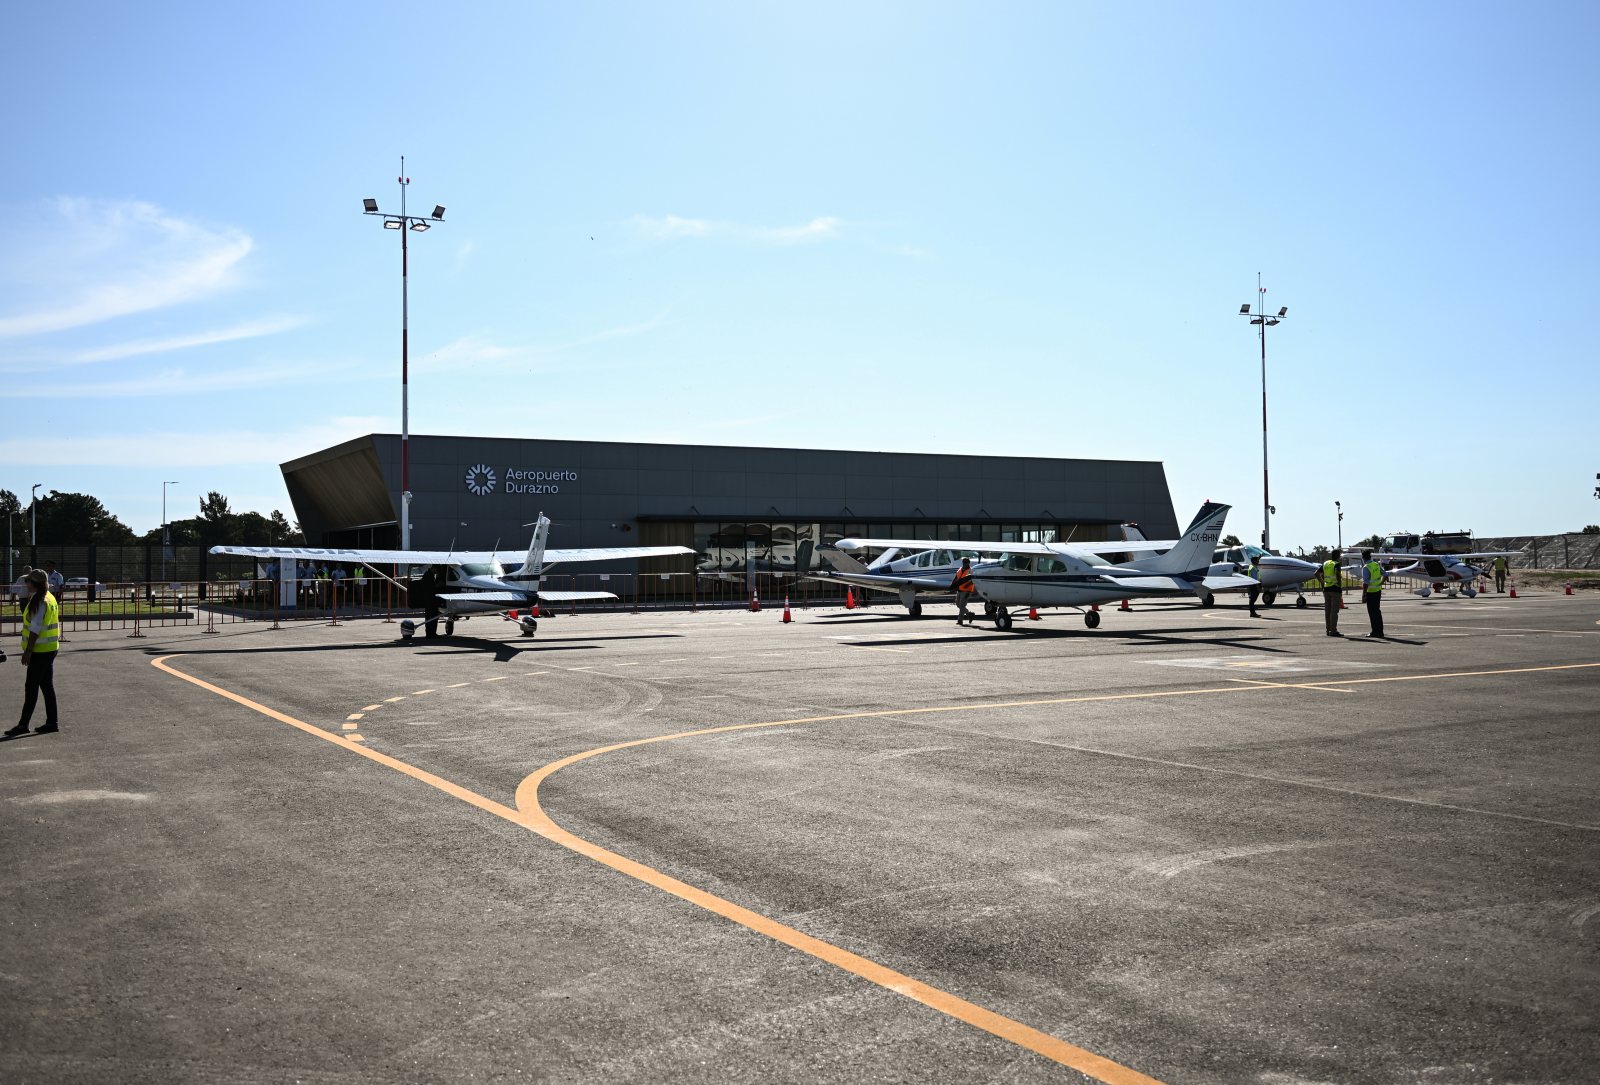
[915,578]
[1440,558]
[473,582]
[1274,572]
[1030,574]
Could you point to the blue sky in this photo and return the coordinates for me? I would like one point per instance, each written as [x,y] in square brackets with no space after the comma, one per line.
[1020,229]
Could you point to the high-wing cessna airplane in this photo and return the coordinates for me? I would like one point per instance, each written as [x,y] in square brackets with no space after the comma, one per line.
[475,582]
[1440,559]
[1033,574]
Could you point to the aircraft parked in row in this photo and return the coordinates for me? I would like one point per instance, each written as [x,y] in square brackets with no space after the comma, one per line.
[1038,574]
[474,582]
[1440,558]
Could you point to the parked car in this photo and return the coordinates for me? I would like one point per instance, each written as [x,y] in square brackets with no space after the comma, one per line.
[81,583]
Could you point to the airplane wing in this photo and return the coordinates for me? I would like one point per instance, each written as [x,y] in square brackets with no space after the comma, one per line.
[879,580]
[1127,547]
[510,599]
[1489,554]
[918,545]
[610,553]
[443,557]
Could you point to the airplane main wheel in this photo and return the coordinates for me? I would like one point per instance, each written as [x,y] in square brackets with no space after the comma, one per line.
[529,625]
[1470,593]
[988,609]
[1002,619]
[915,609]
[1091,618]
[1209,600]
[1269,597]
[1300,602]
[449,627]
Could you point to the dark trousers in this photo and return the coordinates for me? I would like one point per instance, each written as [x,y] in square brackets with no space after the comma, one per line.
[1330,608]
[1254,594]
[962,599]
[41,679]
[1499,580]
[1374,601]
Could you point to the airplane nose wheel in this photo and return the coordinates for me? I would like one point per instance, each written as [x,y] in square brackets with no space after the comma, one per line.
[528,626]
[1091,618]
[1002,619]
[1300,602]
[449,627]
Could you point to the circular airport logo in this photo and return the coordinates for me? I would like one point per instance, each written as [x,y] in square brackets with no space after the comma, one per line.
[481,480]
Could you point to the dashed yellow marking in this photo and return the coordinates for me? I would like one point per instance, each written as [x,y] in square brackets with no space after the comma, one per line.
[458,685]
[355,715]
[530,674]
[420,692]
[353,737]
[498,678]
[392,700]
[372,708]
[350,726]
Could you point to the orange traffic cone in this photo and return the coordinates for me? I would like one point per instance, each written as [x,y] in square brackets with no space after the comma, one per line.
[534,613]
[1569,587]
[1033,614]
[755,602]
[1341,601]
[786,618]
[850,599]
[1513,589]
[1125,606]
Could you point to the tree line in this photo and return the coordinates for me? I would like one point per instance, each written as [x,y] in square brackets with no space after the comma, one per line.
[71,519]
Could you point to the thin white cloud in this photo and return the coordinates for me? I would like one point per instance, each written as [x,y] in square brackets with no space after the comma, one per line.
[479,351]
[180,382]
[672,228]
[92,260]
[249,330]
[185,447]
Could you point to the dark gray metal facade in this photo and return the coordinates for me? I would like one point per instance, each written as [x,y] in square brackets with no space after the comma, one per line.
[473,491]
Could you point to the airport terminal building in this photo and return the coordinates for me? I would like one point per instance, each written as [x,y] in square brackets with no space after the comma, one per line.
[741,509]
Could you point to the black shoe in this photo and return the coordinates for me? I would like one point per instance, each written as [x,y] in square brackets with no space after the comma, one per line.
[1333,634]
[47,729]
[19,729]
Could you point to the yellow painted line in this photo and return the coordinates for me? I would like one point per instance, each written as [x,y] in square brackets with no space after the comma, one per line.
[498,678]
[372,708]
[875,648]
[530,674]
[535,820]
[350,726]
[458,685]
[420,692]
[531,815]
[1280,685]
[353,737]
[355,715]
[392,700]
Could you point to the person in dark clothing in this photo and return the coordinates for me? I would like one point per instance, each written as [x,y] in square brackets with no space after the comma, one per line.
[430,584]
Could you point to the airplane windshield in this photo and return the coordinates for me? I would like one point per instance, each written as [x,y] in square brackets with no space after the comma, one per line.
[480,568]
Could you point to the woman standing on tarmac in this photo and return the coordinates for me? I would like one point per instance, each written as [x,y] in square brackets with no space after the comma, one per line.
[41,636]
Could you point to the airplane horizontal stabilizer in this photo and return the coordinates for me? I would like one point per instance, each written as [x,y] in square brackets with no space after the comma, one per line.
[572,596]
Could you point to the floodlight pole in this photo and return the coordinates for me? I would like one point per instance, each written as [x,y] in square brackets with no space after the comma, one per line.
[405,224]
[33,532]
[1261,318]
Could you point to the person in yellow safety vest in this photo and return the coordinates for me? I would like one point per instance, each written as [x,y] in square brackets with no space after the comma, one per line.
[964,587]
[1329,581]
[1372,592]
[1500,573]
[41,637]
[1254,572]
[360,577]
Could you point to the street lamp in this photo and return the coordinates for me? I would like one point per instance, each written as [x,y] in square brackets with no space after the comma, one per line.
[33,532]
[166,537]
[405,224]
[1340,510]
[1261,318]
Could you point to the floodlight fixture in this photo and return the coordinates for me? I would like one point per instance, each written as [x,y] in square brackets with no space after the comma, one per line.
[391,224]
[421,226]
[1243,309]
[1283,312]
[369,205]
[1260,318]
[438,211]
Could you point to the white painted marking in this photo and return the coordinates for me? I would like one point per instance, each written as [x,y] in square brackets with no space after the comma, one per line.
[1290,665]
[51,797]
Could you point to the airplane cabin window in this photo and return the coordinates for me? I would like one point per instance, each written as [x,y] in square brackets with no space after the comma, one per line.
[1052,565]
[1020,563]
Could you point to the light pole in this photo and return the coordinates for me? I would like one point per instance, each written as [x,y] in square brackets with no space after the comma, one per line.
[166,538]
[1261,318]
[1340,510]
[33,532]
[405,224]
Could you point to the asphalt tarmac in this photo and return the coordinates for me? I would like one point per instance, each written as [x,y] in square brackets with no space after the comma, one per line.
[1189,846]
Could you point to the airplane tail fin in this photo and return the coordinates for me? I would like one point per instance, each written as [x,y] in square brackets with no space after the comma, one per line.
[1194,549]
[842,562]
[1133,533]
[533,564]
